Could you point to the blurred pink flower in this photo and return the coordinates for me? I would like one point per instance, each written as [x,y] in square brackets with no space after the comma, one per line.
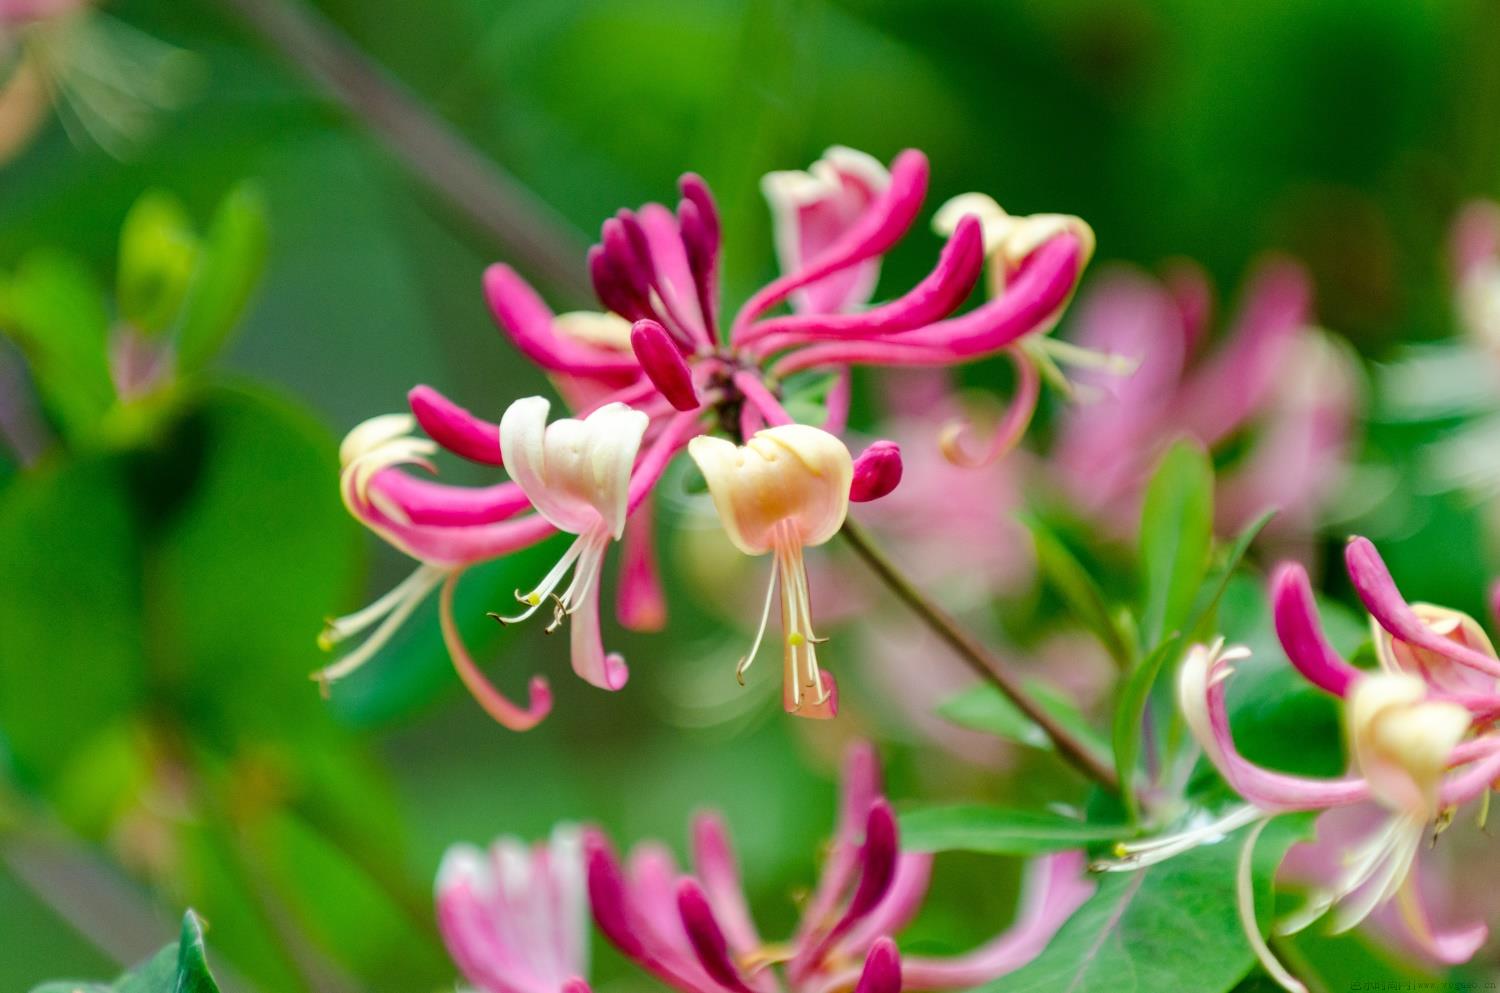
[695,933]
[515,919]
[1285,388]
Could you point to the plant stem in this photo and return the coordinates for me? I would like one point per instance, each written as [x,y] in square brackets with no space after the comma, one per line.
[978,658]
[433,151]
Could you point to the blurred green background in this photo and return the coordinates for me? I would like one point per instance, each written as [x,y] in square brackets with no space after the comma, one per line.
[160,595]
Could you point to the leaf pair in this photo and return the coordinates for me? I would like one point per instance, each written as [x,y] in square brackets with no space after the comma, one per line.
[181,967]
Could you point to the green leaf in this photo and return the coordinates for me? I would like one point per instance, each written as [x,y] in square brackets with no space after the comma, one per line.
[1082,595]
[1173,926]
[997,831]
[233,258]
[1199,628]
[55,311]
[181,967]
[985,708]
[1176,537]
[158,253]
[71,655]
[1130,710]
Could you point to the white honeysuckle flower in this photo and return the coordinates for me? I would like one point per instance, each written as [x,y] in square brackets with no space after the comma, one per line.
[785,489]
[576,473]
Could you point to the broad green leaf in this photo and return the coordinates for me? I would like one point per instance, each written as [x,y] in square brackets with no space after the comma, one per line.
[230,266]
[181,967]
[1173,926]
[997,831]
[158,253]
[985,708]
[1130,710]
[54,310]
[1176,536]
[1077,588]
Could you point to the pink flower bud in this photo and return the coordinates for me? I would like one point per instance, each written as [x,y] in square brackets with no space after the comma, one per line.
[877,472]
[663,364]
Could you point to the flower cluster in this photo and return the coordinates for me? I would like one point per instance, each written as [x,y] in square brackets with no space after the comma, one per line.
[513,921]
[1419,732]
[660,370]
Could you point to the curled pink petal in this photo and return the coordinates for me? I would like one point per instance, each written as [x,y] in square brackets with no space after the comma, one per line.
[902,901]
[877,471]
[1029,303]
[1302,636]
[882,969]
[944,290]
[506,713]
[663,364]
[706,937]
[575,985]
[1378,592]
[422,501]
[1010,430]
[877,230]
[698,217]
[455,428]
[528,321]
[1447,945]
[714,863]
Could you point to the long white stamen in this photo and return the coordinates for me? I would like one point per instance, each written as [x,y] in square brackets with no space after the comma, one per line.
[1079,357]
[1395,863]
[1137,855]
[765,615]
[1245,899]
[340,628]
[430,576]
[549,582]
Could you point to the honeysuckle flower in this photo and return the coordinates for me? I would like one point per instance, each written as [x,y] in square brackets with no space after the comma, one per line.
[661,349]
[695,932]
[580,476]
[1278,392]
[811,210]
[784,490]
[1419,738]
[515,918]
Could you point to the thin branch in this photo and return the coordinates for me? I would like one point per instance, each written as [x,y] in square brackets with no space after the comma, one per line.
[432,150]
[978,658]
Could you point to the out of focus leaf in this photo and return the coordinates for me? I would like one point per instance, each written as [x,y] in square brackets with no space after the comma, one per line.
[985,708]
[55,311]
[1130,709]
[1176,535]
[997,831]
[158,252]
[232,260]
[1079,591]
[181,967]
[1172,926]
[71,662]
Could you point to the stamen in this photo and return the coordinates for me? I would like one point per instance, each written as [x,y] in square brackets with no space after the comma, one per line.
[765,615]
[340,628]
[397,609]
[544,589]
[1245,899]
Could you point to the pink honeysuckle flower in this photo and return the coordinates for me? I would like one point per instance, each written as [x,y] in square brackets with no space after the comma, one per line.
[515,918]
[785,489]
[811,210]
[695,932]
[1417,756]
[661,349]
[1285,387]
